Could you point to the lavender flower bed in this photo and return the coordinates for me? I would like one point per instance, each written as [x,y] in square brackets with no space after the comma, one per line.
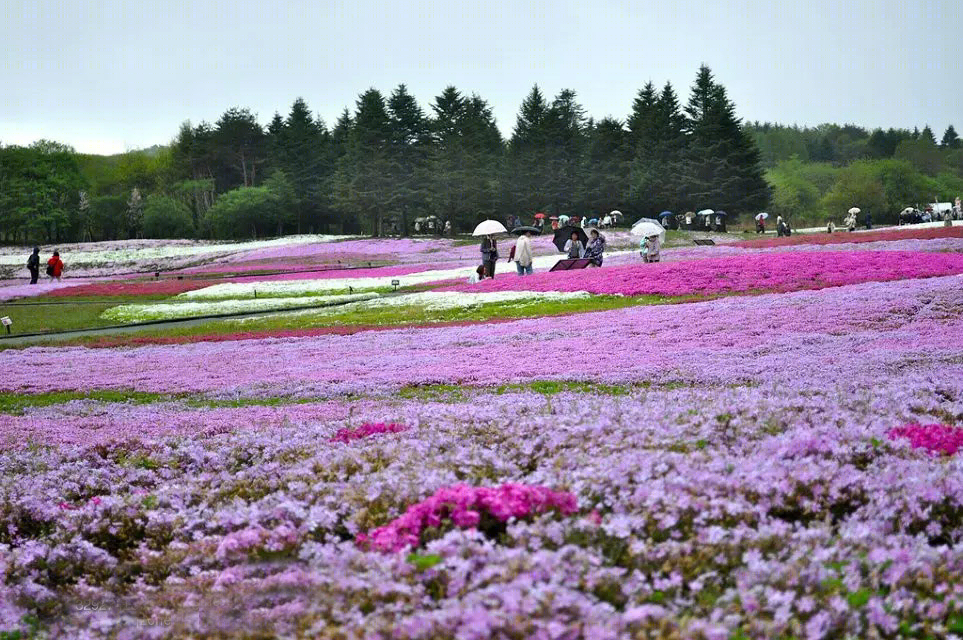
[833,334]
[701,513]
[772,466]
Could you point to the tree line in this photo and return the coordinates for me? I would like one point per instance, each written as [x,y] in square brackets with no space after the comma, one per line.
[818,173]
[388,161]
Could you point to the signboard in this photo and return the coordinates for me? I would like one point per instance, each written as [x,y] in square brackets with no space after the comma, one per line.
[6,321]
[395,283]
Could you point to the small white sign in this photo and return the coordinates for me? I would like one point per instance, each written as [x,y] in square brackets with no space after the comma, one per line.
[6,321]
[395,283]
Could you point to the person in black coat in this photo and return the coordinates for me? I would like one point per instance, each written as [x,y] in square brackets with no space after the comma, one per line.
[489,251]
[33,265]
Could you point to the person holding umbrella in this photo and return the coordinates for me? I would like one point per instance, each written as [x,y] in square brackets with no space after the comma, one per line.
[489,251]
[489,246]
[761,222]
[595,248]
[574,247]
[563,240]
[523,254]
[651,248]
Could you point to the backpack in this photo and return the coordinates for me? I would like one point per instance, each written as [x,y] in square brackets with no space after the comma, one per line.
[50,269]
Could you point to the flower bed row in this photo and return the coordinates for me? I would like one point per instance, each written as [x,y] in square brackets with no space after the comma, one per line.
[769,337]
[855,238]
[777,272]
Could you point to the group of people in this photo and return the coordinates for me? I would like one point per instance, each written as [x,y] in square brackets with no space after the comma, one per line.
[55,266]
[521,253]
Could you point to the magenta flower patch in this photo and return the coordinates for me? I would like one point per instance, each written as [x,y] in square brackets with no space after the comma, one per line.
[367,429]
[938,439]
[465,507]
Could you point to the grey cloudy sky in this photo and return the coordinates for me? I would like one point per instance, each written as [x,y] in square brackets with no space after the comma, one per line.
[114,75]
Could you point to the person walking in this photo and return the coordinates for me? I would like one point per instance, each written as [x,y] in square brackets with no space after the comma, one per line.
[869,221]
[574,247]
[522,254]
[760,226]
[595,248]
[55,266]
[33,265]
[489,251]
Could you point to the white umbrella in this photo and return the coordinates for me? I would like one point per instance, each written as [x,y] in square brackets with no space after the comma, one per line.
[854,210]
[647,227]
[706,212]
[908,210]
[616,214]
[762,216]
[489,227]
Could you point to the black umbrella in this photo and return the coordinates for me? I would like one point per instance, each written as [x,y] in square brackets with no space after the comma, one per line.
[520,230]
[564,234]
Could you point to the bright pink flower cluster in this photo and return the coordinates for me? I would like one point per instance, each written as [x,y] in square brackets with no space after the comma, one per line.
[777,272]
[464,507]
[855,238]
[367,429]
[938,439]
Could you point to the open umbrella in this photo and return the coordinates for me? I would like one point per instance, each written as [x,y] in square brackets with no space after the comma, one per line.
[520,230]
[616,214]
[762,216]
[554,218]
[647,227]
[489,227]
[706,212]
[564,234]
[563,220]
[854,210]
[540,216]
[665,214]
[907,210]
[720,213]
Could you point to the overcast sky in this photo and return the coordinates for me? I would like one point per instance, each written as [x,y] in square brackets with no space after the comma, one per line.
[117,75]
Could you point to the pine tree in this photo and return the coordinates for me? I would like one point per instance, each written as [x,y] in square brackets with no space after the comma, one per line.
[306,163]
[526,168]
[565,147]
[361,183]
[408,155]
[641,122]
[950,139]
[927,134]
[670,144]
[644,171]
[722,165]
[466,147]
[607,178]
[241,148]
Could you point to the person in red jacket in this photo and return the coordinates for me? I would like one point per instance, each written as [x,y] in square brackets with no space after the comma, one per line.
[55,266]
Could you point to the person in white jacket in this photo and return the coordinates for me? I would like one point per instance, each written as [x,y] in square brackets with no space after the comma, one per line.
[523,254]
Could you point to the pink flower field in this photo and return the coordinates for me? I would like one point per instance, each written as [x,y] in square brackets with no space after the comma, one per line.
[779,272]
[782,463]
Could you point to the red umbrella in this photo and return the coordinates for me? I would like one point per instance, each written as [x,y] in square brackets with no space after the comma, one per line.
[540,216]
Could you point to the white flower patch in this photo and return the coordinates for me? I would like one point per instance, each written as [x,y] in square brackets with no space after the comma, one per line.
[323,285]
[167,311]
[439,301]
[129,252]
